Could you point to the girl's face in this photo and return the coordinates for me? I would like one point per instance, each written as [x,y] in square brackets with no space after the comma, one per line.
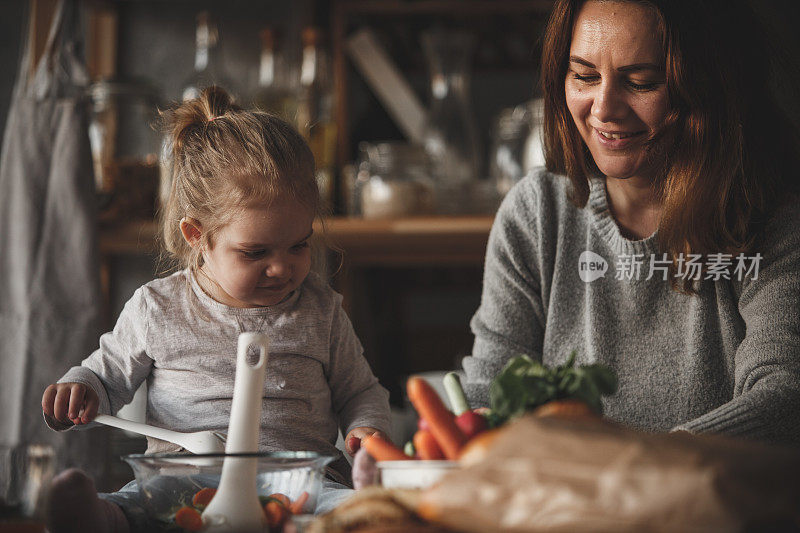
[615,85]
[261,256]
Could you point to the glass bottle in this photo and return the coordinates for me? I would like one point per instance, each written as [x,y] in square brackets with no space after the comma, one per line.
[315,109]
[207,63]
[275,92]
[451,135]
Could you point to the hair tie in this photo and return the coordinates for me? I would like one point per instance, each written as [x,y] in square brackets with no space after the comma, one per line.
[212,119]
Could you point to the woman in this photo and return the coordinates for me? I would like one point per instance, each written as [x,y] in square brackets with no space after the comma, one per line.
[662,240]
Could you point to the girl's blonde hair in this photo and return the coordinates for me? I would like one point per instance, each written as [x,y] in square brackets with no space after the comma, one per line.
[224,159]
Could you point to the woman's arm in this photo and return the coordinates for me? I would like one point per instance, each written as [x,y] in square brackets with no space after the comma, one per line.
[766,396]
[510,320]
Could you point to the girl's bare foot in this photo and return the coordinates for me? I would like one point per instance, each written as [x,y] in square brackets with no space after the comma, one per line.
[75,507]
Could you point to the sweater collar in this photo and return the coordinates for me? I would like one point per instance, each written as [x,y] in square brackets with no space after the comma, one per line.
[605,224]
[208,301]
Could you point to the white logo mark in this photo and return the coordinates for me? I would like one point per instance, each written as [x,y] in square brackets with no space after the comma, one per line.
[591,266]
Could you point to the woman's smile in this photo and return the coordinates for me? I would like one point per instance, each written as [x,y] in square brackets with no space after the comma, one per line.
[617,140]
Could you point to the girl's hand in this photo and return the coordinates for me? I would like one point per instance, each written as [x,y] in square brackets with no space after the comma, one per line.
[353,440]
[70,402]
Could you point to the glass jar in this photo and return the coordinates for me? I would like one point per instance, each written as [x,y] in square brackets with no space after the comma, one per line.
[25,475]
[125,144]
[393,180]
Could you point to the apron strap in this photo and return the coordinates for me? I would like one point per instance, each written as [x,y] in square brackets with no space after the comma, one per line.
[61,69]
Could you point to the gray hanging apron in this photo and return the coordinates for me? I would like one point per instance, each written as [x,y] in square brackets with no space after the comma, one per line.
[50,297]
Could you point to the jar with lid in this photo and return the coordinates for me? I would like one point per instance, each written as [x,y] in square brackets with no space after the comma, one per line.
[393,180]
[125,144]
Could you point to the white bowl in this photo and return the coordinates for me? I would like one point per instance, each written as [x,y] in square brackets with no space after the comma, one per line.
[412,474]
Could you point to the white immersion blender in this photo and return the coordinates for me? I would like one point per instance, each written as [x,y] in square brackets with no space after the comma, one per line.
[236,506]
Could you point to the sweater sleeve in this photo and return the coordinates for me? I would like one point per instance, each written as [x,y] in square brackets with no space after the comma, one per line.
[358,399]
[766,395]
[117,368]
[511,317]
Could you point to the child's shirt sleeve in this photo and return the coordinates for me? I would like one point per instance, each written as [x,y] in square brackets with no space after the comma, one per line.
[121,363]
[358,399]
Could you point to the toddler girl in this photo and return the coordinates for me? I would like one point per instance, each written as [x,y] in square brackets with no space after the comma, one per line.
[238,220]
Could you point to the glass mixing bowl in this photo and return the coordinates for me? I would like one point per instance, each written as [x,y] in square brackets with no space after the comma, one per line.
[168,482]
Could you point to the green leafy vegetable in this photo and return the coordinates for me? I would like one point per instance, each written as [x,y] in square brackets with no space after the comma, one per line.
[525,384]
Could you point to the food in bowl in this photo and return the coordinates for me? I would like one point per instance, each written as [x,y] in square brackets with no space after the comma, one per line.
[175,488]
[412,474]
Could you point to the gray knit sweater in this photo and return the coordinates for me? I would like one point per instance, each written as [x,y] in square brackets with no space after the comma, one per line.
[726,361]
[183,344]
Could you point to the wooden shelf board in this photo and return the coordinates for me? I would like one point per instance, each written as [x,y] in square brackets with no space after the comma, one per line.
[406,241]
[461,7]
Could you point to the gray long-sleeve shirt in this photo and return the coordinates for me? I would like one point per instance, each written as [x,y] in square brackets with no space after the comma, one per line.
[183,343]
[726,360]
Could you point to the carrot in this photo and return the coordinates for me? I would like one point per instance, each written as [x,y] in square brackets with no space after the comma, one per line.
[203,497]
[382,450]
[276,513]
[282,498]
[189,518]
[567,407]
[426,445]
[296,507]
[442,422]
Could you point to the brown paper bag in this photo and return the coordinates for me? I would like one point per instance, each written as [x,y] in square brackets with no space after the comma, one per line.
[590,475]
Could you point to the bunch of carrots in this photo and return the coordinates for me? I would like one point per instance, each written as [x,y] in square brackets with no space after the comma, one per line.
[524,385]
[277,509]
[441,433]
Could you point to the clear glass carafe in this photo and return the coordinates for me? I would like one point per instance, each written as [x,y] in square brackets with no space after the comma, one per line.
[450,135]
[516,144]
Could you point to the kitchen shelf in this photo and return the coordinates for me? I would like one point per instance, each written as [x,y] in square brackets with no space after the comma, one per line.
[435,240]
[347,14]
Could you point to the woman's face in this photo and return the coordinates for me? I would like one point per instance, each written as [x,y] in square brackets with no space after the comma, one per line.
[615,85]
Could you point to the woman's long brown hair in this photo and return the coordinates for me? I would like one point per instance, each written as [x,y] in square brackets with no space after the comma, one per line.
[728,153]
